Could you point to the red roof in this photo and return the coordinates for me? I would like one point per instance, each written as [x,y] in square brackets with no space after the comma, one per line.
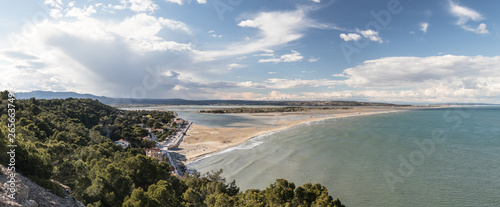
[122,140]
[153,149]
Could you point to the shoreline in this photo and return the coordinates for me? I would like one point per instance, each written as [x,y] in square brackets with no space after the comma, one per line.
[204,141]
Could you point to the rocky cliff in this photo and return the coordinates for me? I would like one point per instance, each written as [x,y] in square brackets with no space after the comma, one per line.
[29,194]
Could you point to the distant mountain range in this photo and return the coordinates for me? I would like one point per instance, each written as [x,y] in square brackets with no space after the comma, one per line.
[130,101]
[55,95]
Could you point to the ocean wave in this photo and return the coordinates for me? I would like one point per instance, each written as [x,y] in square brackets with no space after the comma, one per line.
[251,143]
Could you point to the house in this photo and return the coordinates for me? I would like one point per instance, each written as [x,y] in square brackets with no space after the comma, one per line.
[123,143]
[159,130]
[179,121]
[147,138]
[154,153]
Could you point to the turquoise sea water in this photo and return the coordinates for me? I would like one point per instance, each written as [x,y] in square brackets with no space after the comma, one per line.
[431,157]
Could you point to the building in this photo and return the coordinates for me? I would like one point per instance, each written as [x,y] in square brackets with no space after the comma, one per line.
[123,143]
[154,153]
[179,122]
[152,130]
[147,138]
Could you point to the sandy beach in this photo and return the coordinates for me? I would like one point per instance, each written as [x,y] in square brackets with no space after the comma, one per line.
[203,140]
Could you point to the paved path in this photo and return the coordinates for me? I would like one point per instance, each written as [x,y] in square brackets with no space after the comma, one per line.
[173,144]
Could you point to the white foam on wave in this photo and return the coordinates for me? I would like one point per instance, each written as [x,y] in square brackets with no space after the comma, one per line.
[251,143]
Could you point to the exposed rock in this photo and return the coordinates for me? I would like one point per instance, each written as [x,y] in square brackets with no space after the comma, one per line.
[29,194]
[30,203]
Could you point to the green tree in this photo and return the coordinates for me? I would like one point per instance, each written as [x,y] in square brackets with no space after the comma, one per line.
[219,200]
[192,197]
[252,197]
[145,171]
[280,193]
[140,132]
[163,193]
[139,198]
[157,125]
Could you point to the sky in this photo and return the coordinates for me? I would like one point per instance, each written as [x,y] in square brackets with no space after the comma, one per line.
[401,51]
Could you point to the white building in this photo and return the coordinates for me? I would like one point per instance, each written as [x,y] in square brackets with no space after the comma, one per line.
[123,143]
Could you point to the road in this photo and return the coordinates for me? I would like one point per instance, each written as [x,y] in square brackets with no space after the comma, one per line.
[173,144]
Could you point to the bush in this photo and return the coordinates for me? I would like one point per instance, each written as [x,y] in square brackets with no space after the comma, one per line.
[49,185]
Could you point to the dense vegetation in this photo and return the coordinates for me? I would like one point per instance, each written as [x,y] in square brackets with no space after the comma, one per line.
[266,110]
[71,141]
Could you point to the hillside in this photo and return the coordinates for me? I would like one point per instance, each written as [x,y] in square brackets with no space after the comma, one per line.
[131,101]
[70,141]
[31,194]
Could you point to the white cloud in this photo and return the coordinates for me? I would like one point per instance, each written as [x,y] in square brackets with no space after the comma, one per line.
[280,83]
[212,34]
[55,13]
[423,27]
[54,3]
[312,59]
[95,56]
[111,8]
[481,29]
[139,6]
[316,1]
[372,35]
[350,37]
[81,13]
[465,15]
[235,65]
[145,38]
[292,57]
[143,6]
[273,29]
[264,55]
[433,78]
[270,60]
[268,50]
[278,96]
[72,4]
[272,83]
[181,2]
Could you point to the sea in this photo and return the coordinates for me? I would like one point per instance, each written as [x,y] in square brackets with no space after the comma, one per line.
[424,157]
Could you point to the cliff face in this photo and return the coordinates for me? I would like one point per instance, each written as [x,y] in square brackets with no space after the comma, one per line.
[29,194]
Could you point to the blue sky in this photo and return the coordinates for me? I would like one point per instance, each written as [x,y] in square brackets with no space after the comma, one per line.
[383,50]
